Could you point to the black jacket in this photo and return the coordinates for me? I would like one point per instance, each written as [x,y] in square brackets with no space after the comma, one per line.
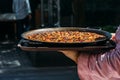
[6,6]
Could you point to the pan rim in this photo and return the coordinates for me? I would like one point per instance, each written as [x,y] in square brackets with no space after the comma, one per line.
[98,31]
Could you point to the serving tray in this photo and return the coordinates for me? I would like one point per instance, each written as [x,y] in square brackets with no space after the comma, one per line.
[33,46]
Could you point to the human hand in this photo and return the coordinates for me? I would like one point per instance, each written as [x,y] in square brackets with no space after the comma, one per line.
[113,37]
[72,54]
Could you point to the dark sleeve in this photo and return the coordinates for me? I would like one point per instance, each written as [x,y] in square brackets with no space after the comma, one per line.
[66,7]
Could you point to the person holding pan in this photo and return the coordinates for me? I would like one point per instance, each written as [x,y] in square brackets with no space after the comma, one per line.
[103,66]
